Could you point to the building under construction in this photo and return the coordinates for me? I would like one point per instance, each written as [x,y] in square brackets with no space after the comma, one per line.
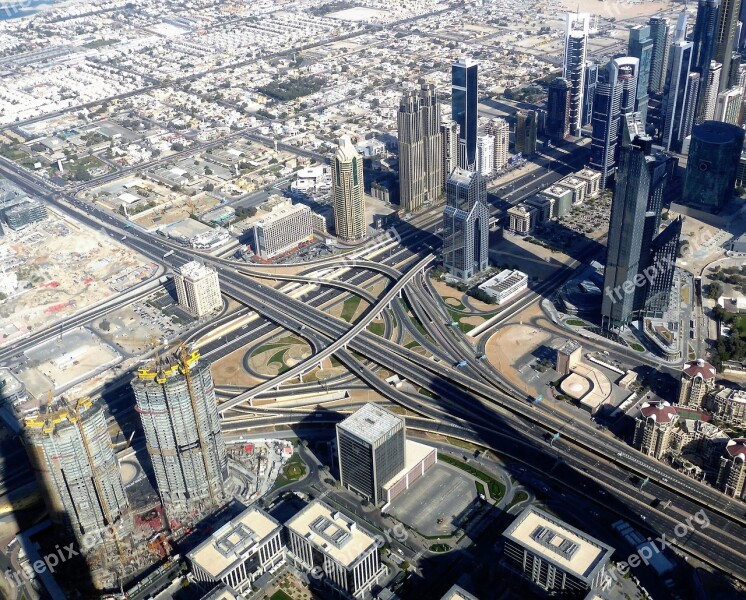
[175,397]
[70,450]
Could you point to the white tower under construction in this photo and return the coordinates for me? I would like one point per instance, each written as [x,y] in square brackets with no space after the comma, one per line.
[175,397]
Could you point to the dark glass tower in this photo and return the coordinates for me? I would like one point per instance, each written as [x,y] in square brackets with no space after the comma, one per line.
[714,154]
[558,110]
[676,124]
[725,34]
[661,34]
[661,267]
[641,47]
[464,101]
[589,91]
[703,40]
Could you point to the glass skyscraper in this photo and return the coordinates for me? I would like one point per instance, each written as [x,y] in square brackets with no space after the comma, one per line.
[464,101]
[641,47]
[576,43]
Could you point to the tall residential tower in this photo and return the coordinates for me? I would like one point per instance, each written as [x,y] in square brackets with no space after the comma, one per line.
[348,191]
[576,47]
[464,103]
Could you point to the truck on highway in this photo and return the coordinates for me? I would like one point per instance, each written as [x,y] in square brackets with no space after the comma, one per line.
[167,254]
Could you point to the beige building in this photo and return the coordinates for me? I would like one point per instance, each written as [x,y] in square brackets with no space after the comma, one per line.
[449,149]
[728,405]
[325,543]
[283,230]
[653,428]
[592,181]
[556,557]
[348,192]
[499,129]
[732,473]
[240,551]
[578,187]
[569,356]
[697,380]
[198,289]
[699,438]
[522,219]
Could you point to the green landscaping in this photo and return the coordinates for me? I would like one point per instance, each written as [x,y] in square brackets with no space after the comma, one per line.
[278,359]
[497,489]
[576,323]
[293,470]
[280,343]
[377,329]
[413,344]
[349,308]
[637,347]
[517,497]
[427,393]
[280,595]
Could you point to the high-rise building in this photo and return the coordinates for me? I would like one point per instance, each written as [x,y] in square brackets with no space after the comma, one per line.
[661,34]
[676,126]
[558,110]
[725,42]
[464,106]
[420,148]
[641,47]
[198,289]
[499,129]
[465,225]
[615,97]
[697,380]
[734,75]
[626,228]
[71,453]
[371,448]
[175,396]
[589,91]
[653,428]
[660,264]
[703,39]
[348,192]
[283,230]
[526,130]
[709,93]
[449,149]
[731,478]
[485,154]
[712,165]
[576,48]
[728,107]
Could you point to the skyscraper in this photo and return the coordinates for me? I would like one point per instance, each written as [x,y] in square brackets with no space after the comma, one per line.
[420,148]
[175,396]
[709,93]
[371,448]
[589,91]
[449,149]
[661,267]
[558,110]
[198,289]
[641,47]
[464,103]
[662,36]
[500,131]
[348,191]
[465,224]
[526,129]
[626,227]
[78,473]
[703,40]
[576,43]
[725,42]
[714,154]
[676,126]
[615,96]
[728,107]
[485,154]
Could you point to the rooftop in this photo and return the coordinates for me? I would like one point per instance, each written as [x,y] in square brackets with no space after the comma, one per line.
[195,270]
[559,543]
[660,412]
[371,422]
[700,368]
[414,453]
[458,593]
[737,448]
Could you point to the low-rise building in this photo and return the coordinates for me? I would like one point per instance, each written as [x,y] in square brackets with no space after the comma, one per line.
[505,285]
[23,212]
[419,459]
[569,356]
[556,557]
[240,551]
[592,180]
[522,219]
[544,207]
[283,230]
[562,198]
[578,187]
[458,593]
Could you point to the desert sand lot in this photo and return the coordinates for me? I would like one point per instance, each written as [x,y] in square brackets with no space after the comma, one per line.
[621,10]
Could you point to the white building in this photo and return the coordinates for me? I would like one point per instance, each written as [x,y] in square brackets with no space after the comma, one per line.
[283,230]
[522,219]
[499,129]
[505,285]
[728,106]
[485,154]
[198,289]
[323,541]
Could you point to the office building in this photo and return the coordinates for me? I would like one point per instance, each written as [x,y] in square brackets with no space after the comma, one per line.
[725,42]
[714,154]
[348,192]
[626,227]
[500,131]
[522,219]
[589,91]
[240,551]
[283,230]
[198,289]
[485,155]
[464,103]
[640,46]
[561,197]
[729,106]
[175,396]
[677,124]
[558,110]
[465,225]
[731,479]
[569,356]
[703,40]
[708,93]
[371,447]
[653,428]
[322,540]
[420,148]
[615,97]
[449,149]
[526,130]
[662,36]
[23,211]
[659,265]
[554,556]
[734,77]
[71,454]
[573,65]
